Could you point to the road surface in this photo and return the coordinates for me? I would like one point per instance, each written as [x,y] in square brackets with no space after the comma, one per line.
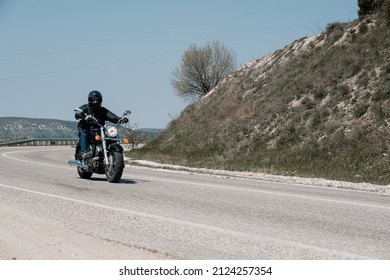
[48,212]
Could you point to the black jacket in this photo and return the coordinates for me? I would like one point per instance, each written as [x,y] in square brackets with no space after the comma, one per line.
[100,113]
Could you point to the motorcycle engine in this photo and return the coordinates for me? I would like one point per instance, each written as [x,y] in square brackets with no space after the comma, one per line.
[95,163]
[99,149]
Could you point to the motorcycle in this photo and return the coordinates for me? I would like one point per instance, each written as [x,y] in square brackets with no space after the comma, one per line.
[106,153]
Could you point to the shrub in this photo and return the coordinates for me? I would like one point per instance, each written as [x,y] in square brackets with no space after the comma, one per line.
[359,110]
[368,7]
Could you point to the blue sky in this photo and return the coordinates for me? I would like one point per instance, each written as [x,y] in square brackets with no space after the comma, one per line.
[54,52]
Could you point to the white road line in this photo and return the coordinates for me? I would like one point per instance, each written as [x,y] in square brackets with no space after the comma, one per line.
[7,155]
[216,186]
[249,236]
[268,192]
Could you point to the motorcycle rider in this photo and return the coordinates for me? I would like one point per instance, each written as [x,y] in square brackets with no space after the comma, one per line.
[95,109]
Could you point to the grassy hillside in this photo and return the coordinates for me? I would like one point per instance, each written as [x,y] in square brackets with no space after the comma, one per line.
[319,108]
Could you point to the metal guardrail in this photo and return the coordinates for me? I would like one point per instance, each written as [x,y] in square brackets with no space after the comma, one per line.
[42,142]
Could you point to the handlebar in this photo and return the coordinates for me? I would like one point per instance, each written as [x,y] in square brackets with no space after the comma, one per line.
[89,118]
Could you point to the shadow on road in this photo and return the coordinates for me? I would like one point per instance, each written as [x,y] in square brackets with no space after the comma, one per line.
[103,179]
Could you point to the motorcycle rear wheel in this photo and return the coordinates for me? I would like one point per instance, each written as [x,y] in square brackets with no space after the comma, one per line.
[84,174]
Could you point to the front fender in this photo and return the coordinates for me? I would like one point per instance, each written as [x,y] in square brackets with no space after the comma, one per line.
[116,147]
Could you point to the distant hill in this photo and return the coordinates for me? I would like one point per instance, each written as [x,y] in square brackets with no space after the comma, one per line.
[25,128]
[15,128]
[151,133]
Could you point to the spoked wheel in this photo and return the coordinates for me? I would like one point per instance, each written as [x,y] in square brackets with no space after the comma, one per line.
[115,166]
[82,172]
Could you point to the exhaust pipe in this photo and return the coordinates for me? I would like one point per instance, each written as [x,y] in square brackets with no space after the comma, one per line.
[74,162]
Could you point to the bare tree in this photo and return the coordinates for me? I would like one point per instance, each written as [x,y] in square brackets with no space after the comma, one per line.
[201,69]
[135,136]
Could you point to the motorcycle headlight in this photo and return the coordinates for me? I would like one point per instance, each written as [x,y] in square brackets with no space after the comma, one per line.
[112,131]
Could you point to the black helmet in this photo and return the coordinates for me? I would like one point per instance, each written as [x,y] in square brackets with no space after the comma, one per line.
[95,98]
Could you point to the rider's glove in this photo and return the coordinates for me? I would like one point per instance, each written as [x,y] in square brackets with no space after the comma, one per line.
[80,115]
[124,120]
[88,118]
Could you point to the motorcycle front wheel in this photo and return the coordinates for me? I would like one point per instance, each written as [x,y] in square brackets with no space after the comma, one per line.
[115,166]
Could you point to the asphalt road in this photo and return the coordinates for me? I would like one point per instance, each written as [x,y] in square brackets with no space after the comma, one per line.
[48,212]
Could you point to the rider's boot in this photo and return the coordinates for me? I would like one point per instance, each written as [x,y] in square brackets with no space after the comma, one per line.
[85,157]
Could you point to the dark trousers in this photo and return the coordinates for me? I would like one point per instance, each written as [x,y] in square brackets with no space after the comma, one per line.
[84,134]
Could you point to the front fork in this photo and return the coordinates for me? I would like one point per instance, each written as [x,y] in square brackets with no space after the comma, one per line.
[104,145]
